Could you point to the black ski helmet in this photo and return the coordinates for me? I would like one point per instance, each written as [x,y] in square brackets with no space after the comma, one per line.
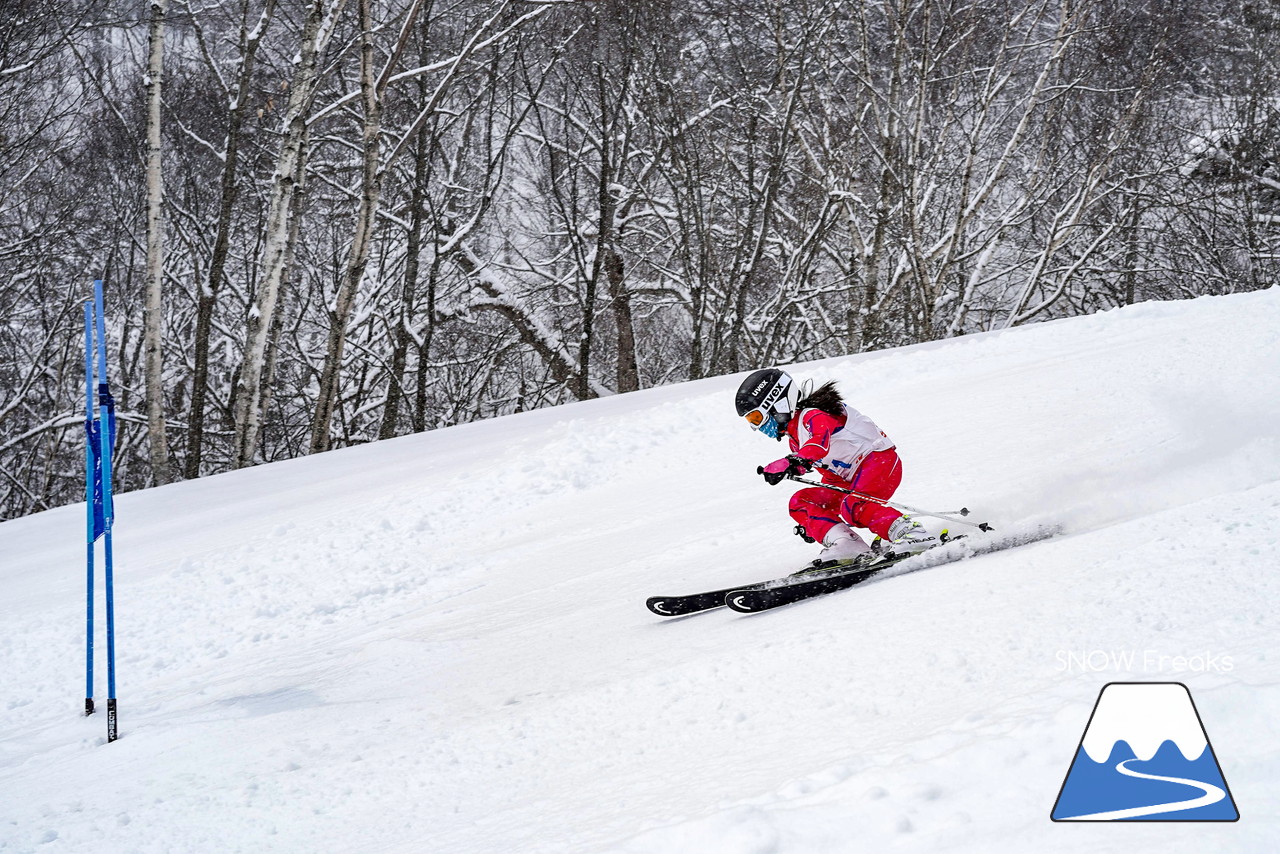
[767,399]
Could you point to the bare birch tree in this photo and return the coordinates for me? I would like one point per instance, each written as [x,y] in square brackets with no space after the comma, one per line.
[157,438]
[318,27]
[251,34]
[489,30]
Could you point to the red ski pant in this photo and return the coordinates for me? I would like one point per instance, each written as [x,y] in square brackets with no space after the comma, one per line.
[818,510]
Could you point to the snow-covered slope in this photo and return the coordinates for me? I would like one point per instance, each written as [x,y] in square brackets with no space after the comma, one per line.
[439,643]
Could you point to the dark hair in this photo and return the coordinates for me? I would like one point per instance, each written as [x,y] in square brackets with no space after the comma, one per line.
[825,398]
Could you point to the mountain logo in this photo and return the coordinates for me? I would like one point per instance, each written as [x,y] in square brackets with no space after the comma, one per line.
[1145,756]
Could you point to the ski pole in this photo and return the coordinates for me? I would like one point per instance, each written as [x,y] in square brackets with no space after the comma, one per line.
[906,508]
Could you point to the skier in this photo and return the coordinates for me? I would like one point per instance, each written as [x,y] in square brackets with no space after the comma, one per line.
[849,451]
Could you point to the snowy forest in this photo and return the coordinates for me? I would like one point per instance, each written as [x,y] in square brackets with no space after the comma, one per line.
[326,222]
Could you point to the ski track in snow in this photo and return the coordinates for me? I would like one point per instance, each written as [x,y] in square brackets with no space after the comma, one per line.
[440,641]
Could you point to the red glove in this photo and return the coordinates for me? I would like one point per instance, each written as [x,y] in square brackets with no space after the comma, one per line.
[789,466]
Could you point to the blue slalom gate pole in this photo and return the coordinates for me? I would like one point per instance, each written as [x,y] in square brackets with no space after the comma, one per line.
[90,469]
[106,431]
[100,430]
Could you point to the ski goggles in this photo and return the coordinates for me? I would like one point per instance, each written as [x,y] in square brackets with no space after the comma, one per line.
[761,418]
[766,424]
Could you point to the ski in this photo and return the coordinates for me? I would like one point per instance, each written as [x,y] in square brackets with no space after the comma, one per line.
[693,603]
[758,598]
[748,600]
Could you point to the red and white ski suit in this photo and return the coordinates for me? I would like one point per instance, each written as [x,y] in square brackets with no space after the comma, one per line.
[857,455]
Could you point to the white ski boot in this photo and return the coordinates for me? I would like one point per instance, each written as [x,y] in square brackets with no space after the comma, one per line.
[841,546]
[908,536]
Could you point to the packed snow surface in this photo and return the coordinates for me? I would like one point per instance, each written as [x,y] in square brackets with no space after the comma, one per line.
[439,643]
